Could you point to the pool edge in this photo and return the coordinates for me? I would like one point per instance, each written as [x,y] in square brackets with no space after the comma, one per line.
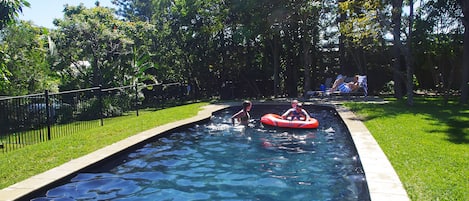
[383,182]
[25,188]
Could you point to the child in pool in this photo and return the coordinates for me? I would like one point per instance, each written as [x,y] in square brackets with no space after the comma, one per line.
[243,115]
[296,113]
[293,107]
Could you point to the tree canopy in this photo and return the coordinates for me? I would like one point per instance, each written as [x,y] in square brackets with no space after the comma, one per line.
[9,10]
[258,48]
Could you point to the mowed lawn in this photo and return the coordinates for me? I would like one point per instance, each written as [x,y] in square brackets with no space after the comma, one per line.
[23,163]
[427,144]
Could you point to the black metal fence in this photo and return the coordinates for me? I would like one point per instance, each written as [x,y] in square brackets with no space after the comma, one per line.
[31,119]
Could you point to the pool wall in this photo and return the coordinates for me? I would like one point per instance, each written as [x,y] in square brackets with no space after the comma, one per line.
[383,182]
[28,188]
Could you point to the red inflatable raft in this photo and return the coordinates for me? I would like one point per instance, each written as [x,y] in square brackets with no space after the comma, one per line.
[276,120]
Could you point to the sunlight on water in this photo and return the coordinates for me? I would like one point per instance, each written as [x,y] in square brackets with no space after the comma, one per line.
[219,161]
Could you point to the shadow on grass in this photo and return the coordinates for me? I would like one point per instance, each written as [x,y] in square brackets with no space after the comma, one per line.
[458,129]
[454,116]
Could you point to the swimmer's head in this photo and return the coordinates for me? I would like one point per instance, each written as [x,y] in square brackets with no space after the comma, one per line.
[294,103]
[247,105]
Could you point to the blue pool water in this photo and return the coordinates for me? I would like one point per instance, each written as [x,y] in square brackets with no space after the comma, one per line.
[218,161]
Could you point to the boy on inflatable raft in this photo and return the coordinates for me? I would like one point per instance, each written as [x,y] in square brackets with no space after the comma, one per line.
[296,112]
[296,117]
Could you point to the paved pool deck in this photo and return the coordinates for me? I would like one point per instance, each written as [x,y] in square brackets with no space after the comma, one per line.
[383,182]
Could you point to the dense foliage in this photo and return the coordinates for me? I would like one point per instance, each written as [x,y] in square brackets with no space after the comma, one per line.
[252,48]
[9,10]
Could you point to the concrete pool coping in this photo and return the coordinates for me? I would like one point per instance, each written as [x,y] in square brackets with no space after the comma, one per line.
[383,182]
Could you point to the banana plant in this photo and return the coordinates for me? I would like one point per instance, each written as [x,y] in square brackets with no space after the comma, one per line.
[141,62]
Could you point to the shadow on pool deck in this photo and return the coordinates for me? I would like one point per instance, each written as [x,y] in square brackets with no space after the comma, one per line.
[383,182]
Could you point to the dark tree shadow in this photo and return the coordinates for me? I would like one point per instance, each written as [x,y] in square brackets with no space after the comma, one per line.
[453,119]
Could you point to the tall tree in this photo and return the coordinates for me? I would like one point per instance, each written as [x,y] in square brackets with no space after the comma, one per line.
[342,50]
[227,40]
[397,47]
[361,29]
[9,11]
[25,52]
[465,68]
[438,46]
[409,57]
[96,36]
[308,22]
[135,10]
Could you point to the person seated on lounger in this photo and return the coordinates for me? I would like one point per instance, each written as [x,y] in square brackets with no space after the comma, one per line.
[345,87]
[296,113]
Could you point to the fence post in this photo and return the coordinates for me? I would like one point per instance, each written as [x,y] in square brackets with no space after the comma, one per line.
[136,98]
[48,122]
[101,105]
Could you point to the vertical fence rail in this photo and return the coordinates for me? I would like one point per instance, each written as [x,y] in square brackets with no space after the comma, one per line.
[35,118]
[48,113]
[72,111]
[101,105]
[136,99]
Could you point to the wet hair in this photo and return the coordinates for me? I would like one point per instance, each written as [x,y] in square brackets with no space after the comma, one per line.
[246,104]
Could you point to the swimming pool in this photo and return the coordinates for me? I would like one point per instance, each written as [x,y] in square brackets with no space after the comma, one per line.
[216,161]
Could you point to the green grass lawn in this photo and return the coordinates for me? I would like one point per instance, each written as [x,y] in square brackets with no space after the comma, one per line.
[427,144]
[23,163]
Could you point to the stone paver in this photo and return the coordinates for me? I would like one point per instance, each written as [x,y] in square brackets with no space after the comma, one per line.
[383,182]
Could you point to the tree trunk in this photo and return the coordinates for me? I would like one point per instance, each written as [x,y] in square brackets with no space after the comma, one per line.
[307,63]
[96,72]
[410,70]
[290,78]
[358,57]
[465,68]
[246,76]
[276,55]
[342,51]
[396,61]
